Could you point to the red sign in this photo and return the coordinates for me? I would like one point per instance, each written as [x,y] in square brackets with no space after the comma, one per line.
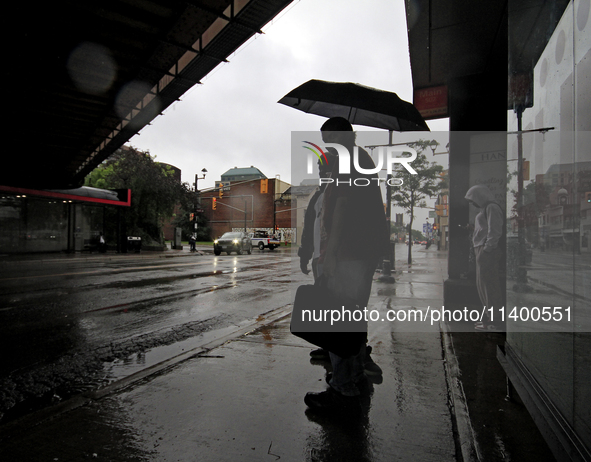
[431,102]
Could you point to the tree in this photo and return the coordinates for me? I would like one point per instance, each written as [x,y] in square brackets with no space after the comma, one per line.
[415,189]
[154,191]
[416,235]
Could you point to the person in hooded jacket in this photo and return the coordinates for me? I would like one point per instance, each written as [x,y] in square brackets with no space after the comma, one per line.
[488,230]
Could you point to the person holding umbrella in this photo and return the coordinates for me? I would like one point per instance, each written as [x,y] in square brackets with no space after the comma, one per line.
[345,264]
[310,250]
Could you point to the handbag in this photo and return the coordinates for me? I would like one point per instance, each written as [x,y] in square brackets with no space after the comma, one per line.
[313,319]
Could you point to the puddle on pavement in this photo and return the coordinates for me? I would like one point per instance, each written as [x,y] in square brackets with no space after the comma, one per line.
[271,334]
[137,362]
[168,279]
[164,280]
[114,371]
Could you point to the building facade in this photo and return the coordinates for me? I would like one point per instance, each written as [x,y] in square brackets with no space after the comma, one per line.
[247,204]
[55,220]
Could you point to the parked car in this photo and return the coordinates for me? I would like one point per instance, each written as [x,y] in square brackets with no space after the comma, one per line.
[238,242]
[262,240]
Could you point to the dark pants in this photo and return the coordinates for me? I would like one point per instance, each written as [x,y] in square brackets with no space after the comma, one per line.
[487,277]
[352,281]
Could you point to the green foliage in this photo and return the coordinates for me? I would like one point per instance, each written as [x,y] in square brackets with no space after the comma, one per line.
[397,229]
[417,235]
[99,177]
[154,192]
[428,182]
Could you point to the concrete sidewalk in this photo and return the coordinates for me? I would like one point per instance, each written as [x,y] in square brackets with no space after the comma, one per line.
[242,399]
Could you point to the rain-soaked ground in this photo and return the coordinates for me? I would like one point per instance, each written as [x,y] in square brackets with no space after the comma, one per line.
[72,326]
[192,359]
[243,400]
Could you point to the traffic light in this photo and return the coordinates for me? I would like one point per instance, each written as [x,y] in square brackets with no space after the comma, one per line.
[221,193]
[588,197]
[191,217]
[441,210]
[213,203]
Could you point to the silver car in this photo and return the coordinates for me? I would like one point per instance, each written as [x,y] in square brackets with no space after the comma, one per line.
[238,242]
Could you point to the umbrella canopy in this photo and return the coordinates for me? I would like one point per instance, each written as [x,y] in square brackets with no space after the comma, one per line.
[359,104]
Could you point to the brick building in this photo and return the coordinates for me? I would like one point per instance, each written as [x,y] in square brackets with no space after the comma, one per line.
[254,202]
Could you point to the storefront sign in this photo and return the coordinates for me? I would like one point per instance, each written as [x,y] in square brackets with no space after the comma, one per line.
[431,102]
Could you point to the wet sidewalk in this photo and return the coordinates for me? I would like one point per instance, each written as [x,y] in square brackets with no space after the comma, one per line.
[242,399]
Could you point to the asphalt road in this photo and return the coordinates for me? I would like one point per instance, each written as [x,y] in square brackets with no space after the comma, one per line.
[185,355]
[71,325]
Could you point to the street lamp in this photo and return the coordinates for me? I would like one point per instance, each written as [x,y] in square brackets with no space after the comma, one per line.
[521,285]
[433,145]
[197,178]
[197,198]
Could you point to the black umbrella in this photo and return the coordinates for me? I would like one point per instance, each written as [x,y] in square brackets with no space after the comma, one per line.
[359,104]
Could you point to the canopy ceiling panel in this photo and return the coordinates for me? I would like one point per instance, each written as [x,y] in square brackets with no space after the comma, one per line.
[81,78]
[460,38]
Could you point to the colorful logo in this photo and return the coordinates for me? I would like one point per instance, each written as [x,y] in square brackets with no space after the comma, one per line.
[385,154]
[325,161]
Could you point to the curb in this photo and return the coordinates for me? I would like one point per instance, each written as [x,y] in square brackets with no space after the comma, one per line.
[465,435]
[39,417]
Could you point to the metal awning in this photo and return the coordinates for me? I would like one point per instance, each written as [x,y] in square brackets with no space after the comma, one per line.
[454,39]
[81,78]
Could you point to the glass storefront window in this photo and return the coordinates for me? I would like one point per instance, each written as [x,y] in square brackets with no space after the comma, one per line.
[549,206]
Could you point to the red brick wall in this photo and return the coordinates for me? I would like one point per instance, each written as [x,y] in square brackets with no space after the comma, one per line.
[226,218]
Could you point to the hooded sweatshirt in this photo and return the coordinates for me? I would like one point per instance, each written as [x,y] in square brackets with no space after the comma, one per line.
[488,226]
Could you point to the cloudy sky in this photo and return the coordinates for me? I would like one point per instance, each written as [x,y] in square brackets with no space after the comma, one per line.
[233,118]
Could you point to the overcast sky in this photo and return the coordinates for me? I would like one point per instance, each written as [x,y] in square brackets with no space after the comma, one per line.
[233,118]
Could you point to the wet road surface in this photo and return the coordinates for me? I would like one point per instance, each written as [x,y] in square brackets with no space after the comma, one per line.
[73,325]
[197,376]
[242,400]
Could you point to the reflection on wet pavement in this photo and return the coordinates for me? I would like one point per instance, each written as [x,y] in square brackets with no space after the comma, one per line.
[244,402]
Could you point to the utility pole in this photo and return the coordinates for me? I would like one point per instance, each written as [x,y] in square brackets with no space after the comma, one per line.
[388,262]
[197,197]
[521,284]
